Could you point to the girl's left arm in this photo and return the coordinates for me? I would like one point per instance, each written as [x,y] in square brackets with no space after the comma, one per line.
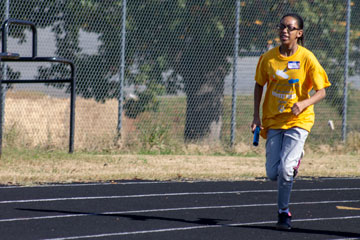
[298,107]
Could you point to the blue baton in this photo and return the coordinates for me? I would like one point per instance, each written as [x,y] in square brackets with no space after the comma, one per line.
[256,136]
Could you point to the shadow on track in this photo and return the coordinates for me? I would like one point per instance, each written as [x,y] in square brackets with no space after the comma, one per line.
[307,231]
[200,221]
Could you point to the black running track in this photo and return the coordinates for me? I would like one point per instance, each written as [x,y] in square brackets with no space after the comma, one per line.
[321,208]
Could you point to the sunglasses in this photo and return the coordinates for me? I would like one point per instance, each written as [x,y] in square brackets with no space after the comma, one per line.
[288,27]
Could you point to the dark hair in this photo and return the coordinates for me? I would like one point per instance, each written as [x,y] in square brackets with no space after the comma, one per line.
[300,23]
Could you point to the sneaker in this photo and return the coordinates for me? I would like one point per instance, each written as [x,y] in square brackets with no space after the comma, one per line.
[284,221]
[296,169]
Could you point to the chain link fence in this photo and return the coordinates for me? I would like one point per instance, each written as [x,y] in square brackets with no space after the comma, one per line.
[174,73]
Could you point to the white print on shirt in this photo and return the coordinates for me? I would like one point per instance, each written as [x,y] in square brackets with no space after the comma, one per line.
[283,95]
[282,74]
[281,108]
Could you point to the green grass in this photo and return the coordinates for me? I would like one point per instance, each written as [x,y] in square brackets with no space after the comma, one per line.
[320,134]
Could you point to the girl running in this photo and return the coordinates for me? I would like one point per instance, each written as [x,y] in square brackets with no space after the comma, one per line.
[289,72]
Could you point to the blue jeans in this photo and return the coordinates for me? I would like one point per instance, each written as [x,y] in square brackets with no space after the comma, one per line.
[283,152]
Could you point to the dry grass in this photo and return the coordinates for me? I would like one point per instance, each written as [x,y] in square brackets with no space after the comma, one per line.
[324,165]
[36,121]
[35,168]
[43,121]
[33,118]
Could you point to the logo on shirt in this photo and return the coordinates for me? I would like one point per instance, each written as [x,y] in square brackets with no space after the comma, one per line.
[282,74]
[292,81]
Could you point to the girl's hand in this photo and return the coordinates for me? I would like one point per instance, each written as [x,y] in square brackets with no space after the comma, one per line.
[297,108]
[256,122]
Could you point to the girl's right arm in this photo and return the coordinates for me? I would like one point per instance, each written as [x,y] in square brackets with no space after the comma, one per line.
[258,91]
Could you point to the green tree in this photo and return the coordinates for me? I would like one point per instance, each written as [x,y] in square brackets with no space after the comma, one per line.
[193,39]
[66,19]
[325,36]
[190,40]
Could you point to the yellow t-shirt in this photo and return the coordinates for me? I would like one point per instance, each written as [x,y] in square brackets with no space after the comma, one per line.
[289,80]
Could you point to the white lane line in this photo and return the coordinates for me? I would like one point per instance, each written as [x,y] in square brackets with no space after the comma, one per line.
[132,196]
[169,194]
[169,210]
[345,238]
[196,227]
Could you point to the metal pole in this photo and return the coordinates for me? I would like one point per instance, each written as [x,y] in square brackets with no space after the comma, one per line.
[346,71]
[7,9]
[72,108]
[2,91]
[236,54]
[122,70]
[1,112]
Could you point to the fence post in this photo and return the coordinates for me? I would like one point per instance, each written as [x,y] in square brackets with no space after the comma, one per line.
[122,70]
[346,71]
[3,90]
[236,54]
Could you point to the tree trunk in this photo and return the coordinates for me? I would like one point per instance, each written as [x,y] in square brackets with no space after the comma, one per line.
[205,97]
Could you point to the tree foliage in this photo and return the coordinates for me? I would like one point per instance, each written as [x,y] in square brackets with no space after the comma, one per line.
[190,41]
